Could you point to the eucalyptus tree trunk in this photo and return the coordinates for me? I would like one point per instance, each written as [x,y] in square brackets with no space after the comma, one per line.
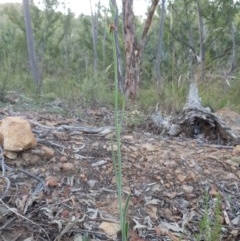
[133,48]
[233,60]
[36,74]
[160,44]
[94,17]
[201,42]
[193,99]
[119,61]
[131,51]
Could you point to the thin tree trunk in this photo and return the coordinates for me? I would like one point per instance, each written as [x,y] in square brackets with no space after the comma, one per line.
[104,40]
[193,100]
[36,74]
[160,44]
[119,61]
[94,18]
[201,42]
[172,43]
[192,58]
[67,45]
[233,60]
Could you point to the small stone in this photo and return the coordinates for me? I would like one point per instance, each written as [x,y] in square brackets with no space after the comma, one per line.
[167,185]
[51,181]
[156,188]
[148,147]
[192,177]
[184,204]
[236,150]
[113,147]
[10,155]
[168,176]
[30,158]
[47,152]
[187,189]
[190,196]
[127,137]
[61,136]
[111,229]
[168,212]
[207,172]
[91,183]
[177,171]
[181,178]
[63,159]
[68,166]
[113,180]
[158,177]
[214,191]
[55,168]
[82,176]
[231,176]
[65,214]
[238,174]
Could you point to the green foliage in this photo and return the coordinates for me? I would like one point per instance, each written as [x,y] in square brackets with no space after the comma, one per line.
[171,97]
[216,92]
[87,91]
[86,237]
[65,54]
[147,98]
[95,91]
[134,119]
[210,229]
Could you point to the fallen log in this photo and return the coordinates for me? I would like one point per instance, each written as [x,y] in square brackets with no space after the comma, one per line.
[195,121]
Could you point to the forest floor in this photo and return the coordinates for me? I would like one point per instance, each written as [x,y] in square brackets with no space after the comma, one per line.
[181,189]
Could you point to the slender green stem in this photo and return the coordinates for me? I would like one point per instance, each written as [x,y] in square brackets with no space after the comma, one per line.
[118,164]
[117,157]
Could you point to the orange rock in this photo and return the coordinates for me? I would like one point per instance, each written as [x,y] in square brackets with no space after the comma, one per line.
[17,134]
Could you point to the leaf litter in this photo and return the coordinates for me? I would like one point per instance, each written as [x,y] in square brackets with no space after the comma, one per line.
[68,189]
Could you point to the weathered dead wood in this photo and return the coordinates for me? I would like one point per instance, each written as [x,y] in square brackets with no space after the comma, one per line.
[89,130]
[195,121]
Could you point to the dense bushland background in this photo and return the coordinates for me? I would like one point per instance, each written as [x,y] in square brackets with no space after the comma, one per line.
[75,55]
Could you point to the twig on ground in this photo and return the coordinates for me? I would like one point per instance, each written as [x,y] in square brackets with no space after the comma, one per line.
[25,218]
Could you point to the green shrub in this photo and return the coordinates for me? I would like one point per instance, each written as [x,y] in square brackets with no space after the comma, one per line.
[210,225]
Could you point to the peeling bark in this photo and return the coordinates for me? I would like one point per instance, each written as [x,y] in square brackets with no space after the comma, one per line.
[132,80]
[133,49]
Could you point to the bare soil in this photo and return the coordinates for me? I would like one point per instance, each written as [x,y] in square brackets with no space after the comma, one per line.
[174,183]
